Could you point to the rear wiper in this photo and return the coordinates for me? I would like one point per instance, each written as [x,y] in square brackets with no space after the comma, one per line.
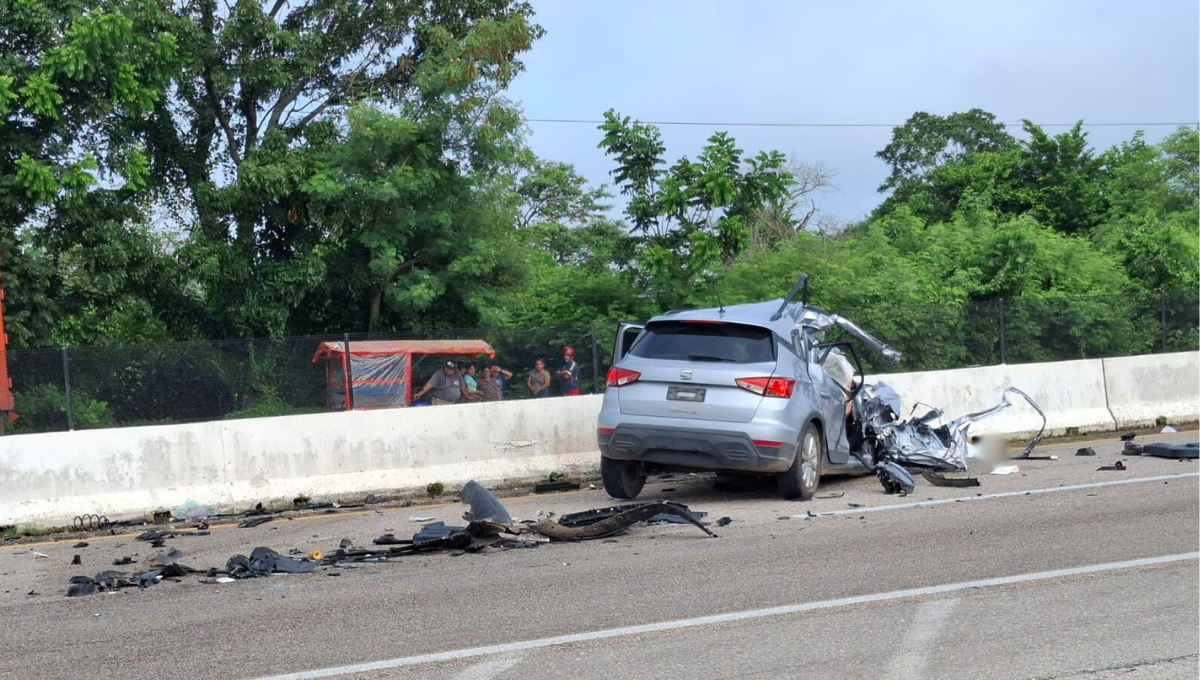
[705,357]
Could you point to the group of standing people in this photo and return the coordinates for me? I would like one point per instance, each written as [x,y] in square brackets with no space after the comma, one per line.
[459,383]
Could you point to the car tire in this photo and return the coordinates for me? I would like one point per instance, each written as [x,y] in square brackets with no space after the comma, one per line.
[621,478]
[802,479]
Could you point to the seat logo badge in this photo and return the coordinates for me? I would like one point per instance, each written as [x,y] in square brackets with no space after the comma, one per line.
[686,375]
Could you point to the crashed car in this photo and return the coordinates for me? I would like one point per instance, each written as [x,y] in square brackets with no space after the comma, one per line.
[755,389]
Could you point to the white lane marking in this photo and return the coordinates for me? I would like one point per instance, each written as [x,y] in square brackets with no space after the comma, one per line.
[1005,494]
[486,670]
[627,631]
[929,620]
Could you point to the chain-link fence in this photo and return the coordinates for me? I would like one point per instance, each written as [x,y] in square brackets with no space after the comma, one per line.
[92,387]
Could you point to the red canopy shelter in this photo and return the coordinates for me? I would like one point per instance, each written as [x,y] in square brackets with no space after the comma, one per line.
[381,371]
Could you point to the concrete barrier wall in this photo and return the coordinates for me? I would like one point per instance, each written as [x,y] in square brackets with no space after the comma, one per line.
[1140,389]
[50,478]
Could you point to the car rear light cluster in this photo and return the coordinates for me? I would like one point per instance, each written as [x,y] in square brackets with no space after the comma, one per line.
[767,387]
[620,376]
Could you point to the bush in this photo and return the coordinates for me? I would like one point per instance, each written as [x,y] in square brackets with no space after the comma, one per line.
[43,408]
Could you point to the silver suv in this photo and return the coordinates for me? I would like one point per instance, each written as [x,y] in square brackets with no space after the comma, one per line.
[743,389]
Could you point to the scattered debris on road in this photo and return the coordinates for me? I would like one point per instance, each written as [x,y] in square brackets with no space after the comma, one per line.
[938,479]
[490,528]
[1086,451]
[1181,451]
[556,487]
[1115,466]
[254,521]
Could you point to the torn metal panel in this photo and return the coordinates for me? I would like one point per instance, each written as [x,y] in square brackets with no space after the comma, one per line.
[485,507]
[887,445]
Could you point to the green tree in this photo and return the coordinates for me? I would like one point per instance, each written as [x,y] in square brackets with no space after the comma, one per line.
[429,238]
[694,216]
[927,141]
[67,69]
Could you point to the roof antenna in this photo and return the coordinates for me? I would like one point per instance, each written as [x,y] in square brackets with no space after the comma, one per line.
[717,287]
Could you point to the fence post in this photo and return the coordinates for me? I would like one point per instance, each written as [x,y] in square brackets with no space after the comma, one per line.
[1003,336]
[349,372]
[595,359]
[66,364]
[1162,310]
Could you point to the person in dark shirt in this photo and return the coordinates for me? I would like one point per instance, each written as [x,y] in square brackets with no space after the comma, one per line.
[445,387]
[568,375]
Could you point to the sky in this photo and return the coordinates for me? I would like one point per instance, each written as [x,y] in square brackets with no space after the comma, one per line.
[801,61]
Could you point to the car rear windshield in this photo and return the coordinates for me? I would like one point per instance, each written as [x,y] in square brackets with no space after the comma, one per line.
[717,342]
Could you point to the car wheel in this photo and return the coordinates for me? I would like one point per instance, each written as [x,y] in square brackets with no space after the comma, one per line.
[801,480]
[622,479]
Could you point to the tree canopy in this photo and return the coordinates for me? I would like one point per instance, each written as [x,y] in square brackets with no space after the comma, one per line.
[260,168]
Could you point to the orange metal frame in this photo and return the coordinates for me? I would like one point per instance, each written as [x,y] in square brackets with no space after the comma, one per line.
[6,397]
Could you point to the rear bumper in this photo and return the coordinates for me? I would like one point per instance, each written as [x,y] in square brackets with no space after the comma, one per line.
[695,448]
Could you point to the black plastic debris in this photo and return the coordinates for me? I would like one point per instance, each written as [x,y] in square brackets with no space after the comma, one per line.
[555,487]
[434,531]
[1086,451]
[1132,449]
[122,560]
[254,521]
[938,479]
[485,507]
[264,562]
[81,544]
[1160,450]
[152,535]
[81,586]
[1115,466]
[1128,436]
[723,522]
[107,581]
[76,560]
[668,490]
[616,523]
[831,495]
[390,539]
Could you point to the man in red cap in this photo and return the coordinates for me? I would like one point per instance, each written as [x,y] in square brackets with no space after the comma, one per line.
[568,375]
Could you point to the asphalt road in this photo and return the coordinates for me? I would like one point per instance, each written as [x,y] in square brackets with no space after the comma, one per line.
[1082,577]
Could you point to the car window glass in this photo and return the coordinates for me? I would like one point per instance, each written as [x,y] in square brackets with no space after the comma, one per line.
[715,342]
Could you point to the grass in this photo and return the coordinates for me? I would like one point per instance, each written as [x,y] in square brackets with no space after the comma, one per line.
[27,530]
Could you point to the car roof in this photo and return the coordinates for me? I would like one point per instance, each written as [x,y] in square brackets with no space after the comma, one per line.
[753,313]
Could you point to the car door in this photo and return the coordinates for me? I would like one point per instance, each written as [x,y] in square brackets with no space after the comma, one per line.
[627,334]
[833,407]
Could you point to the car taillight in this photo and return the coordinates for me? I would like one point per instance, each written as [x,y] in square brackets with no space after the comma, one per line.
[768,387]
[620,376]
